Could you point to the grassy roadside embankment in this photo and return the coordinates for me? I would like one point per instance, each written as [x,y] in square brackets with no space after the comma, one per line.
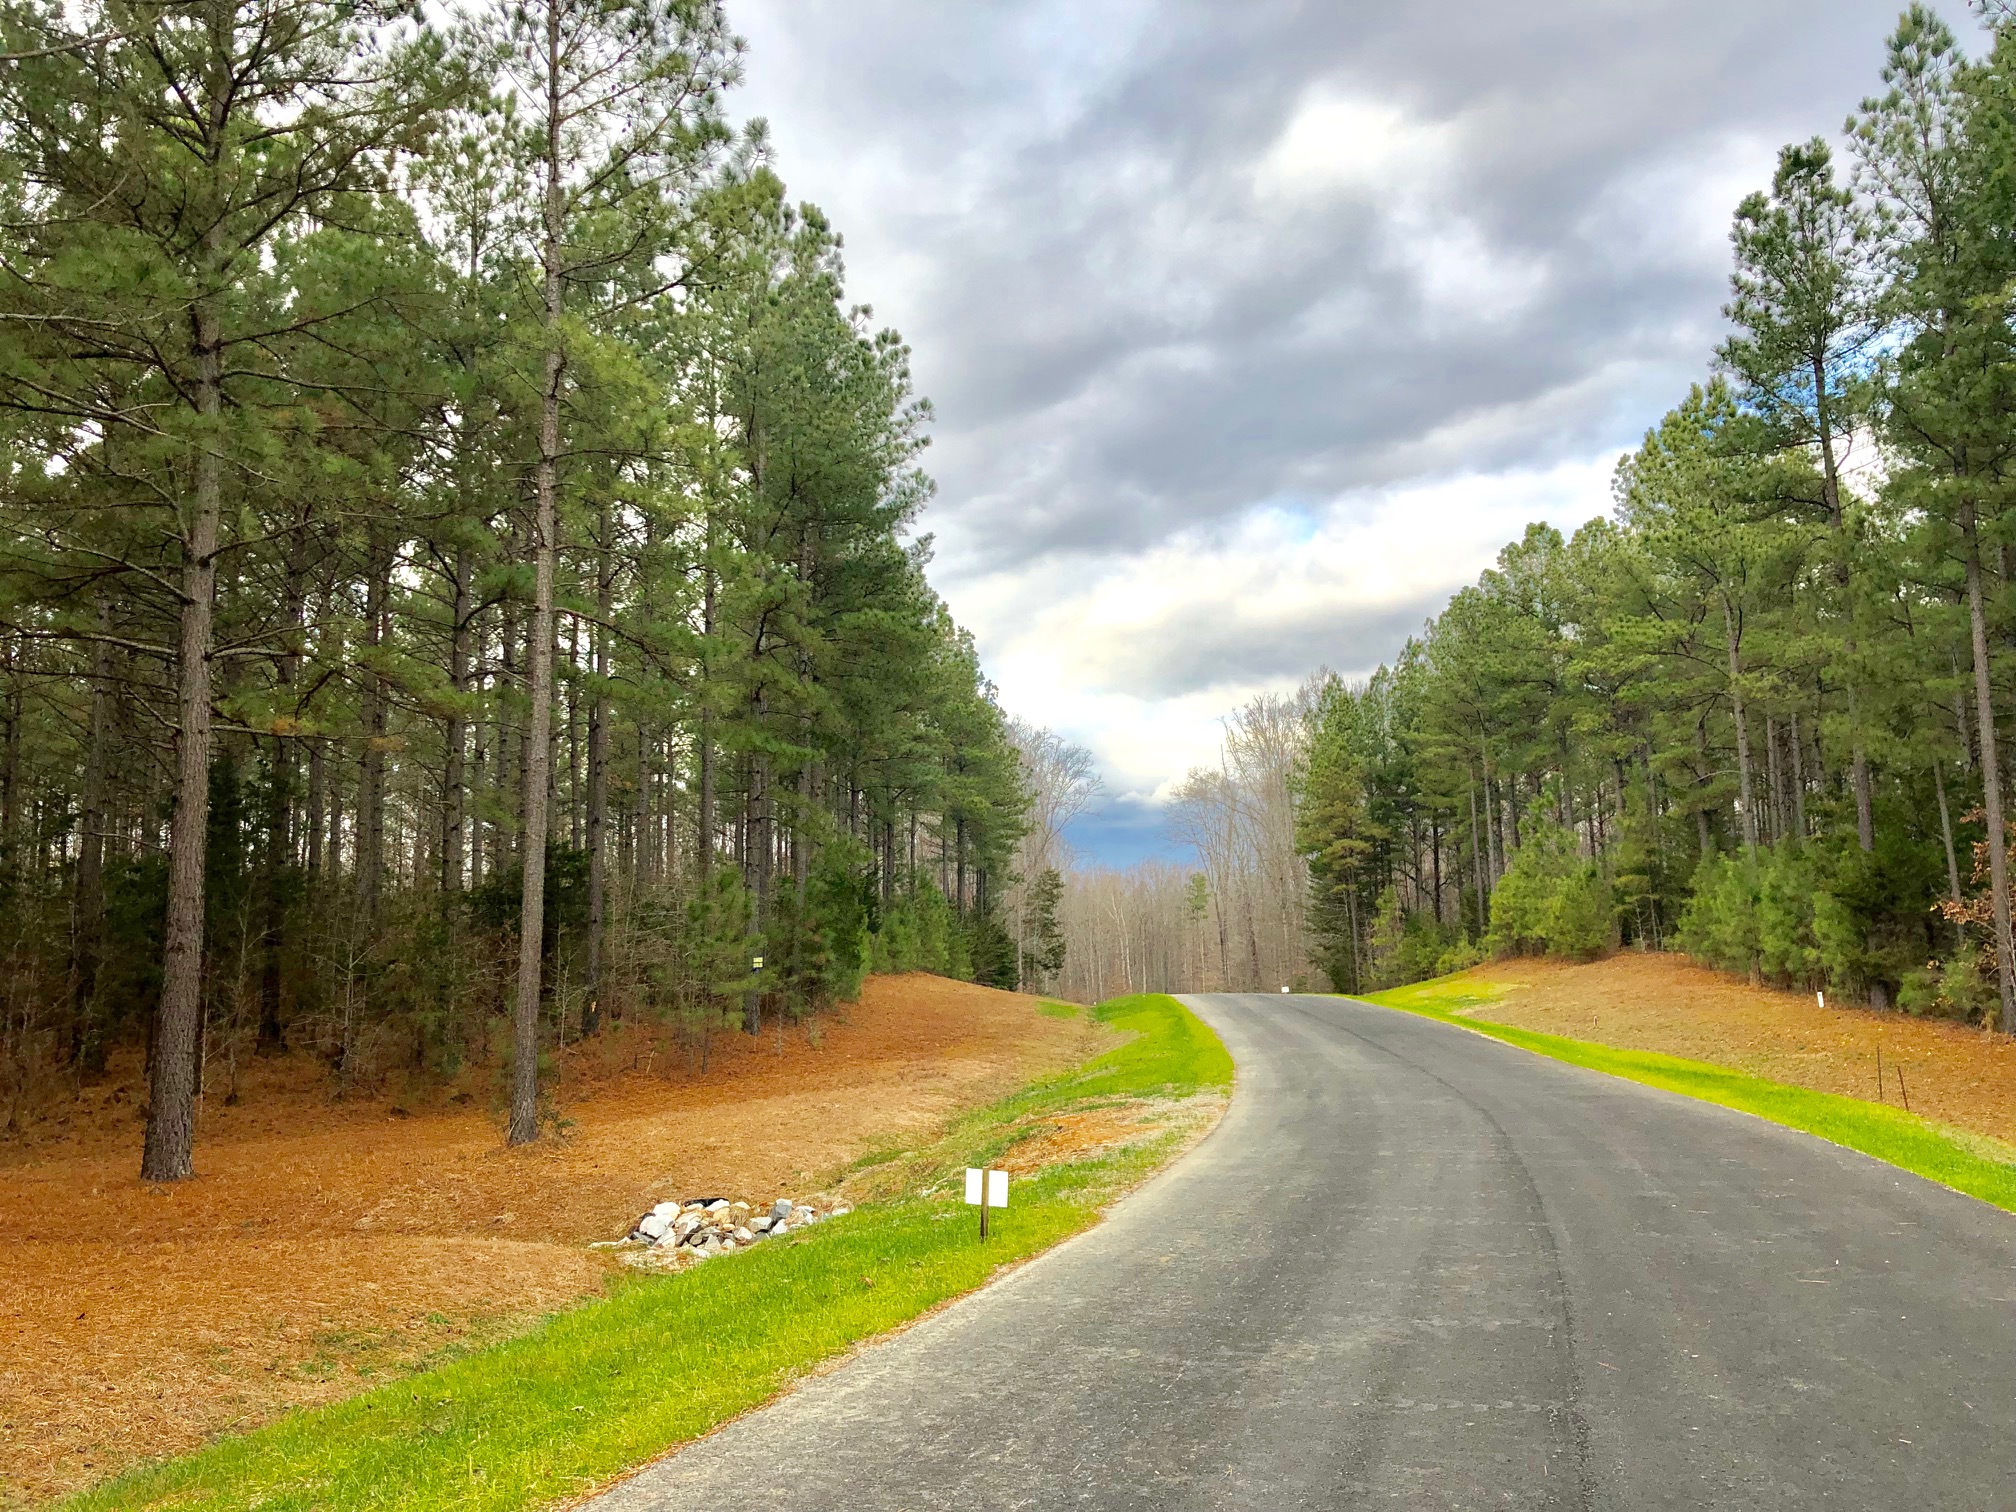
[1968,1163]
[597,1390]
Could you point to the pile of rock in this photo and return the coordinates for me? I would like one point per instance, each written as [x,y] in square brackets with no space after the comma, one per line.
[707,1226]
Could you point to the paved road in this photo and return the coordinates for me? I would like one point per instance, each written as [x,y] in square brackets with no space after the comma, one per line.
[1419,1268]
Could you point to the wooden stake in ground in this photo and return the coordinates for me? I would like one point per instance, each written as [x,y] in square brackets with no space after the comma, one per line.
[984,1190]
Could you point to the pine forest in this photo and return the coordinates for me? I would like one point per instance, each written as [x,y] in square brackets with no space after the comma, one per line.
[458,586]
[1761,713]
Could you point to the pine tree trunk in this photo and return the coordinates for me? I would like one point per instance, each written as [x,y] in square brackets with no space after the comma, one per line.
[1830,490]
[598,787]
[1703,775]
[370,871]
[1477,865]
[1991,777]
[1743,779]
[312,822]
[757,861]
[454,783]
[1798,780]
[1774,770]
[272,1038]
[169,1151]
[87,936]
[1946,834]
[539,642]
[704,820]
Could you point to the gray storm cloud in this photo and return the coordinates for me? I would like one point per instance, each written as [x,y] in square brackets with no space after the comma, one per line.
[1120,341]
[1165,262]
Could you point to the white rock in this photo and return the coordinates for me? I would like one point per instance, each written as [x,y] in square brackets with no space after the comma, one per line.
[667,1209]
[781,1208]
[840,1212]
[727,1246]
[779,1228]
[684,1224]
[718,1205]
[653,1225]
[697,1254]
[763,1225]
[743,1236]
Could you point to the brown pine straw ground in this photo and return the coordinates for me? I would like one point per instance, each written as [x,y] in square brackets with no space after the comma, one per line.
[1955,1074]
[325,1245]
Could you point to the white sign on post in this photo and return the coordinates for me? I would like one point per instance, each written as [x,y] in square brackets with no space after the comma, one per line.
[985,1189]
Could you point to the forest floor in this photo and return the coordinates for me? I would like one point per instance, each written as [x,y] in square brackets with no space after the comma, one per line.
[326,1245]
[1954,1074]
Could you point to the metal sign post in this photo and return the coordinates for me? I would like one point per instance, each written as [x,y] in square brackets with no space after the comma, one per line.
[984,1190]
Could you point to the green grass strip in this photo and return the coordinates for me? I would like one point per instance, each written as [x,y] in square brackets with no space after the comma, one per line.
[1950,1157]
[595,1390]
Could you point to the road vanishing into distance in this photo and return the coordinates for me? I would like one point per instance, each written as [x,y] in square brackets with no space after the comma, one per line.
[1415,1267]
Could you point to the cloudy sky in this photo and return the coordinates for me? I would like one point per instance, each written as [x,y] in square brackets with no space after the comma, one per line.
[1255,329]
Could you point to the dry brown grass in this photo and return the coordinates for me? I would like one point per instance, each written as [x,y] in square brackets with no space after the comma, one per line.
[323,1245]
[1954,1074]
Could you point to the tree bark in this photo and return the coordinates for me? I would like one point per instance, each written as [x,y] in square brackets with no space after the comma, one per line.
[1991,776]
[87,934]
[169,1150]
[1844,575]
[454,775]
[598,779]
[370,871]
[1798,780]
[1743,780]
[1477,866]
[539,640]
[1946,835]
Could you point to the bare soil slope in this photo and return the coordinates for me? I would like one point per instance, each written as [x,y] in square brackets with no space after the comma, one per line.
[324,1245]
[1642,1001]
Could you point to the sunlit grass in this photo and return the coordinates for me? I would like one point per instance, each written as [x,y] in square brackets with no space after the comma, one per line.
[1963,1162]
[596,1390]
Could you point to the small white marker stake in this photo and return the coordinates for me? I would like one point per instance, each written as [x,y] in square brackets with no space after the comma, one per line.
[985,1189]
[1820,998]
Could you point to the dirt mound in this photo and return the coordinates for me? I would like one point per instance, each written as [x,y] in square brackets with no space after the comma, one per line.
[1645,1001]
[323,1245]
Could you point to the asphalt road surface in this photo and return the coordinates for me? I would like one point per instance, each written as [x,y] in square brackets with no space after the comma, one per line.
[1418,1268]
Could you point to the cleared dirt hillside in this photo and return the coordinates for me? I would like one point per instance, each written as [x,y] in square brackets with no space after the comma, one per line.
[1954,1074]
[325,1245]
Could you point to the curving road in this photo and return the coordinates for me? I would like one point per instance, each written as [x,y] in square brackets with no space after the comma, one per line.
[1418,1268]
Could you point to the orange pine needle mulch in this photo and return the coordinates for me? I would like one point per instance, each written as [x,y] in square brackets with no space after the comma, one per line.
[1954,1074]
[326,1244]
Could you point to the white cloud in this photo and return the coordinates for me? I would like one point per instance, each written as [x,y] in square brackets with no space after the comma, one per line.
[1341,143]
[1096,648]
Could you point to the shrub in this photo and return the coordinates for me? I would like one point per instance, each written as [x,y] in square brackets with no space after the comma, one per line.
[1719,924]
[1957,989]
[1550,901]
[1581,917]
